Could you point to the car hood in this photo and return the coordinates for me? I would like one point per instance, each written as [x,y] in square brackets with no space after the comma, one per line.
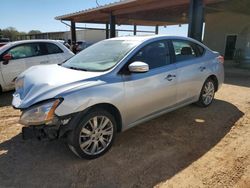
[43,82]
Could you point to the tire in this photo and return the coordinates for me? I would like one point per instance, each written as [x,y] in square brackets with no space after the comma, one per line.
[207,93]
[93,134]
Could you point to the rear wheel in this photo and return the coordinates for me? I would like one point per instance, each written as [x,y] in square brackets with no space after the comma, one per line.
[93,135]
[207,93]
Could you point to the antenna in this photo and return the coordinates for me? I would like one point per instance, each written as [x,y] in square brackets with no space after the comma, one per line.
[97,3]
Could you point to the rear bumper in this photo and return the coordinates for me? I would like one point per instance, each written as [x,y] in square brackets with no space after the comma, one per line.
[220,75]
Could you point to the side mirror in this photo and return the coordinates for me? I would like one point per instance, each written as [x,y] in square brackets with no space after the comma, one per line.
[138,67]
[6,58]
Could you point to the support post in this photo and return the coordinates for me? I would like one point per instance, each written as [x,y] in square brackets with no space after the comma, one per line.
[107,30]
[156,29]
[135,29]
[112,26]
[73,32]
[196,19]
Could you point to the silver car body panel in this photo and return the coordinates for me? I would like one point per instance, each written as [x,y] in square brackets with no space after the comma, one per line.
[50,82]
[138,97]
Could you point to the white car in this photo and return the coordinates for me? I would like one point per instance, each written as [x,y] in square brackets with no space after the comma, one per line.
[16,57]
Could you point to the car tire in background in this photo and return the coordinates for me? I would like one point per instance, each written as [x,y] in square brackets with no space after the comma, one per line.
[207,93]
[93,134]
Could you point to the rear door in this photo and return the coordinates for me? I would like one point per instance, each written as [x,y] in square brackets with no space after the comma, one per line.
[190,69]
[54,53]
[149,93]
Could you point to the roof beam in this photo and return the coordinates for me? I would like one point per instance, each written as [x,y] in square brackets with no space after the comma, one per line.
[151,6]
[177,14]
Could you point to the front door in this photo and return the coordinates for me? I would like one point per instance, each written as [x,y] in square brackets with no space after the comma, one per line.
[23,57]
[230,46]
[11,70]
[149,93]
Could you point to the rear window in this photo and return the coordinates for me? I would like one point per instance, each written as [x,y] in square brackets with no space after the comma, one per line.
[53,49]
[187,50]
[200,50]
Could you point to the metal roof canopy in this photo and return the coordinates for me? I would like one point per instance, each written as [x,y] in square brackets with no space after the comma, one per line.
[145,12]
[137,12]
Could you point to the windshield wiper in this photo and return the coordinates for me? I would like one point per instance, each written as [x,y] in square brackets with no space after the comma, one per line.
[75,68]
[64,61]
[60,64]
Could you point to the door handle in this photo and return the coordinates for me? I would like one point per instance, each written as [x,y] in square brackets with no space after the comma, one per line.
[202,68]
[170,77]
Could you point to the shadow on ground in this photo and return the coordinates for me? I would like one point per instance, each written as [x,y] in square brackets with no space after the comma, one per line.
[6,98]
[141,157]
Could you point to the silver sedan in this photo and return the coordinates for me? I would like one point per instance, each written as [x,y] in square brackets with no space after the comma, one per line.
[114,85]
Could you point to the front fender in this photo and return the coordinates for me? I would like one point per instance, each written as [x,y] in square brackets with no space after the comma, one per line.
[82,99]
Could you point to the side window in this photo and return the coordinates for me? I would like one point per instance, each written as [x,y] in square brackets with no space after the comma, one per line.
[155,55]
[200,50]
[186,50]
[25,50]
[53,49]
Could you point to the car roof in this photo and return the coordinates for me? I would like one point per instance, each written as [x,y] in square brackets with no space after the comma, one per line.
[33,40]
[143,38]
[11,44]
[146,37]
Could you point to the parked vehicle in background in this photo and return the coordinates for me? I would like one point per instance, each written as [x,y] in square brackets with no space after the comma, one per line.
[16,57]
[114,85]
[81,45]
[4,41]
[64,43]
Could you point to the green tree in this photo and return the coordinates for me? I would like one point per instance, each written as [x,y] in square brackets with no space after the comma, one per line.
[10,33]
[34,32]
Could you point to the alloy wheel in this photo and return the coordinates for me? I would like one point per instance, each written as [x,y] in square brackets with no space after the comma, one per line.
[208,93]
[96,135]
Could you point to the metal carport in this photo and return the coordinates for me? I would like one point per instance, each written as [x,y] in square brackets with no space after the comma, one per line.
[147,13]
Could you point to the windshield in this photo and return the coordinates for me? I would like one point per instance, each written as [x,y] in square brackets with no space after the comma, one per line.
[101,56]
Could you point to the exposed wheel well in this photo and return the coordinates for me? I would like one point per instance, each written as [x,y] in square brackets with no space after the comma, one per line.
[214,78]
[113,110]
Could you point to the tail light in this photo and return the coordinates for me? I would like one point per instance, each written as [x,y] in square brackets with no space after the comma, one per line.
[221,59]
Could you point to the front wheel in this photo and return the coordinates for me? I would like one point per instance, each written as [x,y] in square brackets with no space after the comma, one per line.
[93,135]
[207,93]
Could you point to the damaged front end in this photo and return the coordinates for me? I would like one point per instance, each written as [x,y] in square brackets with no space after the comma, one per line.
[40,121]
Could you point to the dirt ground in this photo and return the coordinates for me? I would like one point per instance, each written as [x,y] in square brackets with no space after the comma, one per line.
[190,147]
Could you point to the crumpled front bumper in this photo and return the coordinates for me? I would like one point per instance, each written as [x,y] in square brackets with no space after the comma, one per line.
[49,132]
[41,132]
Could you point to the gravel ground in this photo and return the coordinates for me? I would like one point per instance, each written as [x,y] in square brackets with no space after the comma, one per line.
[190,147]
